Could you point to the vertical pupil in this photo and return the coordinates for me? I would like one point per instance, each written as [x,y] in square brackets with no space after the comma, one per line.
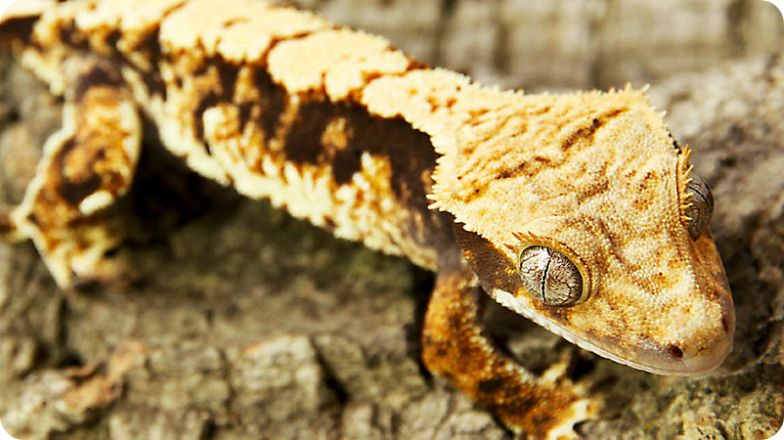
[534,262]
[544,277]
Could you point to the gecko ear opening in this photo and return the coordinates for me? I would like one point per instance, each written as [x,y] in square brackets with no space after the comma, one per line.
[699,207]
[696,199]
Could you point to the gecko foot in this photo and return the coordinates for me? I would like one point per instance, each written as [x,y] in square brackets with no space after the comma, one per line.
[453,346]
[68,207]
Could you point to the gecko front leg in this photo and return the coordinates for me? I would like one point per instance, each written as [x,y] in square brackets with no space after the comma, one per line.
[454,346]
[86,166]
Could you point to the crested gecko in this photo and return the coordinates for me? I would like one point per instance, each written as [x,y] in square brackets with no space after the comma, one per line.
[578,211]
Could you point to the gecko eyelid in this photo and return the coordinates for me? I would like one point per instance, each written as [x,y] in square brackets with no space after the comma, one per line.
[700,207]
[550,276]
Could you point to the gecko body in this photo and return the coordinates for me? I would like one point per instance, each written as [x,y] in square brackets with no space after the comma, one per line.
[577,211]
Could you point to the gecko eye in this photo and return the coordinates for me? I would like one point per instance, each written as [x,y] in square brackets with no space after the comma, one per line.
[700,206]
[550,276]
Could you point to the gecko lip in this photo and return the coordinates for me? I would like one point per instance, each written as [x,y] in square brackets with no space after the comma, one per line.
[666,361]
[653,358]
[673,361]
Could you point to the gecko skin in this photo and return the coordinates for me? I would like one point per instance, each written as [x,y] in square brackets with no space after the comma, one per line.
[577,211]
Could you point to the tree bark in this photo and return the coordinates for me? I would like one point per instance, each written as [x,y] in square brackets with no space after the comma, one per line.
[249,324]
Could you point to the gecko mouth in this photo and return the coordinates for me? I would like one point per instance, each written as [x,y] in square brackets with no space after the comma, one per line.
[670,360]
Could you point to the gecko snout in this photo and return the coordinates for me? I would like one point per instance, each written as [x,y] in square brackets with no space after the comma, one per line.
[697,349]
[691,358]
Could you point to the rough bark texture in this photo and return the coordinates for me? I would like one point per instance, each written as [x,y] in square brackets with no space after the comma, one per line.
[249,324]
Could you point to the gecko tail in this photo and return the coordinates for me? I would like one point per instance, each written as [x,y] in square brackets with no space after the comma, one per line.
[17,18]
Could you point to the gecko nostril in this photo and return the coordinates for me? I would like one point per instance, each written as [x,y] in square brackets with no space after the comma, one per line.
[675,351]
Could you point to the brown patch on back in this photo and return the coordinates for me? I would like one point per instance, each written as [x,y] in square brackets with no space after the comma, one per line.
[223,77]
[98,75]
[303,140]
[149,49]
[16,31]
[408,151]
[271,101]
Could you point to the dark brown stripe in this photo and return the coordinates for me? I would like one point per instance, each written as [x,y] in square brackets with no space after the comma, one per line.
[272,101]
[616,244]
[588,132]
[17,29]
[303,141]
[408,151]
[227,74]
[593,190]
[151,47]
[100,74]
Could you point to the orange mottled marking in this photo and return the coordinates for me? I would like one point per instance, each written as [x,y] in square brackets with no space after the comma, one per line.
[453,345]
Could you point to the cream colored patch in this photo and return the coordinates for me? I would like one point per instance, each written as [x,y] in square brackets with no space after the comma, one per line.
[10,10]
[579,411]
[96,202]
[335,134]
[135,19]
[241,43]
[339,61]
[240,30]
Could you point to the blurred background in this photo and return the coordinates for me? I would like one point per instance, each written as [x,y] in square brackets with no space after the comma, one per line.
[538,44]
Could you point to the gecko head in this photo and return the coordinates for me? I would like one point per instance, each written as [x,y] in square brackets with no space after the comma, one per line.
[602,238]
